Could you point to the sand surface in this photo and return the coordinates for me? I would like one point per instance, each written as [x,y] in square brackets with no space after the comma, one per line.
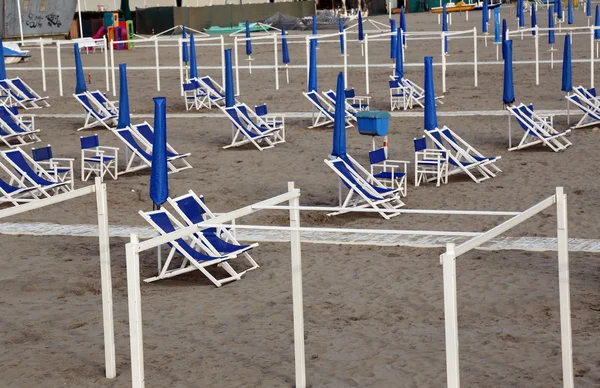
[373,316]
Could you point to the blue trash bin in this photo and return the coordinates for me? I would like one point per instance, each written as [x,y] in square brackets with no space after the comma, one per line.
[373,122]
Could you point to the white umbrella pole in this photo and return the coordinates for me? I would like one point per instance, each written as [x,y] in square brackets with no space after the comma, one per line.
[20,19]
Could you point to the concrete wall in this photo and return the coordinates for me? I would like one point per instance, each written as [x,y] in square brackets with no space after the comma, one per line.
[92,5]
[54,20]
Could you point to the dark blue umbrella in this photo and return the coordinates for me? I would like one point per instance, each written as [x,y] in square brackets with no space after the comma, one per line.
[284,47]
[555,6]
[445,27]
[430,116]
[567,71]
[508,95]
[588,8]
[497,25]
[403,24]
[570,12]
[184,46]
[399,59]
[520,13]
[159,178]
[229,93]
[341,29]
[124,118]
[361,33]
[533,19]
[393,39]
[551,38]
[3,65]
[596,25]
[193,63]
[312,66]
[339,123]
[504,29]
[559,11]
[314,26]
[484,17]
[248,41]
[80,87]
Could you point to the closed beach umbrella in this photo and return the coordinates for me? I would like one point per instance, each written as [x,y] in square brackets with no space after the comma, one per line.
[445,27]
[284,47]
[399,60]
[508,95]
[312,66]
[124,118]
[361,33]
[533,19]
[551,38]
[497,25]
[559,11]
[430,116]
[504,29]
[520,14]
[184,46]
[3,65]
[393,39]
[248,41]
[588,8]
[567,73]
[193,63]
[229,93]
[596,25]
[570,12]
[403,24]
[314,26]
[339,123]
[484,17]
[341,29]
[159,178]
[80,87]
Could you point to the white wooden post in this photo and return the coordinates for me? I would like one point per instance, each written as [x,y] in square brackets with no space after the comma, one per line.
[134,296]
[181,77]
[43,64]
[443,64]
[157,65]
[236,58]
[345,60]
[563,288]
[475,56]
[299,356]
[59,63]
[21,18]
[592,57]
[537,55]
[112,68]
[106,64]
[367,62]
[307,59]
[222,61]
[451,317]
[276,54]
[106,280]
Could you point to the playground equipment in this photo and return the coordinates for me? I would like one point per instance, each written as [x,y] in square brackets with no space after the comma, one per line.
[119,31]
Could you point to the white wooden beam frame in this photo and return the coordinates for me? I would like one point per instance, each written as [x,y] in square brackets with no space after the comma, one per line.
[448,260]
[105,272]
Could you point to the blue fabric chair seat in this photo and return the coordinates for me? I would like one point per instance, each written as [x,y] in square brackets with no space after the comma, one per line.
[96,158]
[388,175]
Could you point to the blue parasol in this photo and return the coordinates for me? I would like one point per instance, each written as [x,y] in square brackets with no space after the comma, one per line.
[312,66]
[533,19]
[229,93]
[124,118]
[3,65]
[341,29]
[559,11]
[430,116]
[361,33]
[508,95]
[497,25]
[339,123]
[314,26]
[393,39]
[284,47]
[504,29]
[570,12]
[520,14]
[445,27]
[184,46]
[159,178]
[567,72]
[484,17]
[193,63]
[588,8]
[596,24]
[80,87]
[551,38]
[403,24]
[399,59]
[248,41]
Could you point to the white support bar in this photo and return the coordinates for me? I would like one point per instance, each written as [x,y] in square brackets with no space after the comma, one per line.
[157,65]
[448,260]
[475,81]
[222,60]
[112,68]
[367,64]
[276,54]
[345,61]
[443,64]
[307,60]
[564,289]
[105,43]
[134,297]
[537,56]
[59,65]
[237,65]
[297,297]
[592,57]
[43,57]
[392,211]
[181,77]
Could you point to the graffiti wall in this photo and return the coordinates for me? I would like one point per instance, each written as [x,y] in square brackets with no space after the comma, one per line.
[39,17]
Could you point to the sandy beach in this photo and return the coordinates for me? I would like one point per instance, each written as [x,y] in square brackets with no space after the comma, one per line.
[373,315]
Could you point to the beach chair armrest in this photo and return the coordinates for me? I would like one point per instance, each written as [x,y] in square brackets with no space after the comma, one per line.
[63,159]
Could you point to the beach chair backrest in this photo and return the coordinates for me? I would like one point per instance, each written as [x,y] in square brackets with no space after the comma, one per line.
[23,88]
[89,142]
[349,93]
[18,159]
[330,94]
[420,144]
[208,82]
[448,134]
[132,143]
[189,87]
[261,110]
[394,84]
[42,154]
[8,117]
[314,97]
[8,110]
[377,156]
[351,178]
[592,92]
[99,96]
[191,208]
[5,187]
[86,101]
[146,132]
[232,113]
[5,85]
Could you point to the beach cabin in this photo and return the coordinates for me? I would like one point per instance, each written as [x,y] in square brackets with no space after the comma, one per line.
[38,17]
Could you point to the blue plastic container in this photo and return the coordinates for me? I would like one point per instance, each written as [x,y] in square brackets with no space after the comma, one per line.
[373,122]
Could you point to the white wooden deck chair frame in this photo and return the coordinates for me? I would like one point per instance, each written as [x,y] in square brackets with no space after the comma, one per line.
[222,233]
[325,111]
[36,97]
[215,93]
[14,97]
[242,135]
[538,131]
[195,96]
[25,193]
[188,264]
[350,110]
[357,199]
[412,94]
[92,118]
[101,99]
[391,167]
[16,139]
[61,169]
[171,161]
[260,125]
[589,105]
[99,161]
[430,165]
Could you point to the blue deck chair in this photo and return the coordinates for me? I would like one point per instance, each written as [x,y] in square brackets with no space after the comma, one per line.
[33,176]
[392,173]
[17,192]
[325,111]
[193,259]
[61,169]
[146,133]
[244,133]
[362,193]
[537,130]
[406,94]
[259,125]
[193,210]
[96,114]
[14,131]
[431,164]
[586,100]
[101,99]
[28,93]
[12,96]
[97,160]
[357,102]
[350,110]
[216,92]
[194,95]
[272,119]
